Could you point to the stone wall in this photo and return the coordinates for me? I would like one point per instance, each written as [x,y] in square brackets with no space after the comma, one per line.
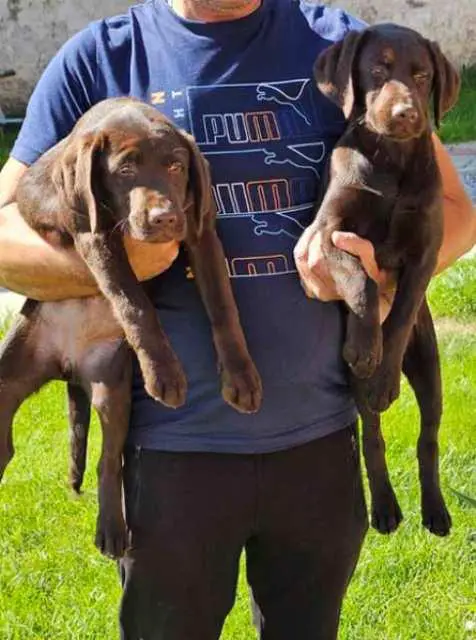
[32,30]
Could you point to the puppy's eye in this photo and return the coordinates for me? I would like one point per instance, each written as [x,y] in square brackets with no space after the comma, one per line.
[420,77]
[176,167]
[127,171]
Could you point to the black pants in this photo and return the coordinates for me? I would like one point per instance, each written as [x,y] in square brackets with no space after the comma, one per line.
[300,514]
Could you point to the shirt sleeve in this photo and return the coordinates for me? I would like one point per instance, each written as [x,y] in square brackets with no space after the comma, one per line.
[330,23]
[65,91]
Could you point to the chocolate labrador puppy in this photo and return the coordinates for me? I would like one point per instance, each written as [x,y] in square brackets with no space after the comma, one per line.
[123,168]
[384,184]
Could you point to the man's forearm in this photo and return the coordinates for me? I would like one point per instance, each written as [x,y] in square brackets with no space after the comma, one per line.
[32,267]
[459,212]
[28,264]
[459,231]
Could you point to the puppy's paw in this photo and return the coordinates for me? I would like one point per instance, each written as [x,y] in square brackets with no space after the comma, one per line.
[242,389]
[386,512]
[382,389]
[362,361]
[165,380]
[363,349]
[76,482]
[435,516]
[170,389]
[111,535]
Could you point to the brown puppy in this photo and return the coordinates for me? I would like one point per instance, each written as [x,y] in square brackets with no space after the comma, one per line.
[124,167]
[384,185]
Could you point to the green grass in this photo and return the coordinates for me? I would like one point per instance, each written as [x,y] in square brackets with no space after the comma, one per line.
[54,585]
[409,586]
[7,138]
[453,292]
[460,123]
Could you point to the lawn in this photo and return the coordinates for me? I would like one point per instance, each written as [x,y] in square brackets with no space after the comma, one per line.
[54,585]
[460,123]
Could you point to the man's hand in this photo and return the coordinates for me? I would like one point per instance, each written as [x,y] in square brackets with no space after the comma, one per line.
[317,281]
[459,237]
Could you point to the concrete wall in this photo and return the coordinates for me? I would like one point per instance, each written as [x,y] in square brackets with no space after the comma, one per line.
[451,22]
[32,30]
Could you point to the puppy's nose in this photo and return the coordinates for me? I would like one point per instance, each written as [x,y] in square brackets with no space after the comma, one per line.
[405,112]
[162,217]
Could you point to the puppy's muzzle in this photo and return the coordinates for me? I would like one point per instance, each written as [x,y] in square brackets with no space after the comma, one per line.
[165,223]
[405,119]
[396,113]
[162,219]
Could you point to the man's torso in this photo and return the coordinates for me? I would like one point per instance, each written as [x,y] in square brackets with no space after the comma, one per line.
[244,89]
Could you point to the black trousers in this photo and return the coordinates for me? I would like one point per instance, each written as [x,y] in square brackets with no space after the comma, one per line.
[300,515]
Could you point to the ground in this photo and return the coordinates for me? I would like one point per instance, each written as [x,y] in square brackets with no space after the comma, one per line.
[54,585]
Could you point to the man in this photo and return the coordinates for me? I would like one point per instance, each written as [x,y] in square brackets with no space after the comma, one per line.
[203,482]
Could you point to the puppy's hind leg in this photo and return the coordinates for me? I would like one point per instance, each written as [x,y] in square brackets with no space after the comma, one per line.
[25,365]
[422,367]
[111,397]
[386,512]
[79,416]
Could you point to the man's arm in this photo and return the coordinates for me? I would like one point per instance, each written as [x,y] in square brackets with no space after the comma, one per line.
[9,178]
[459,212]
[31,266]
[459,237]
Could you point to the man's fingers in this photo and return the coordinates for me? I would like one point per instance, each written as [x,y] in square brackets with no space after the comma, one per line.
[316,278]
[360,247]
[301,248]
[322,289]
[312,267]
[351,242]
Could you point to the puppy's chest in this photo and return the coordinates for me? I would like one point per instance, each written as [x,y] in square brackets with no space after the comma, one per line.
[401,218]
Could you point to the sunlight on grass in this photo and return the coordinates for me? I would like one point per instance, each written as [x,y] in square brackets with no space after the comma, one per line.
[454,291]
[53,583]
[412,585]
[7,138]
[460,123]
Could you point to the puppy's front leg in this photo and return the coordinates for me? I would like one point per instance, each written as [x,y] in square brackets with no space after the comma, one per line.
[384,386]
[241,383]
[105,256]
[363,345]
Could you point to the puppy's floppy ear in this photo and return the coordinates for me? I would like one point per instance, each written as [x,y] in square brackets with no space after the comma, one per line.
[446,82]
[199,186]
[76,178]
[334,71]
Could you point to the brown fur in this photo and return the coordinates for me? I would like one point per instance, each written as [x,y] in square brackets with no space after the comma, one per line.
[124,167]
[384,185]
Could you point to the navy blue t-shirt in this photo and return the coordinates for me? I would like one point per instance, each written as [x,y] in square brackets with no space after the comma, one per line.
[244,89]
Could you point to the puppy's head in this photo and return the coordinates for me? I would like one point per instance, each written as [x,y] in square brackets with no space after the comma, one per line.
[386,76]
[135,171]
